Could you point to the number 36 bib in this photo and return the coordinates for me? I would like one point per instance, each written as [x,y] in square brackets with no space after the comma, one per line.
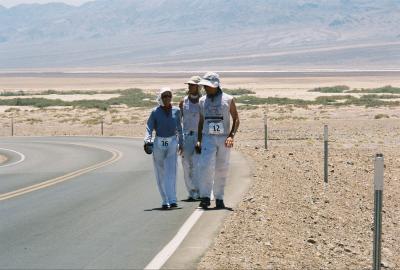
[216,128]
[164,143]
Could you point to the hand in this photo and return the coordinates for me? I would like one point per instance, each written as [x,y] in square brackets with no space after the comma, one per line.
[229,142]
[180,150]
[197,148]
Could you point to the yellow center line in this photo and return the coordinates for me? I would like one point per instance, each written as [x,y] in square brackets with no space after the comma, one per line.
[116,155]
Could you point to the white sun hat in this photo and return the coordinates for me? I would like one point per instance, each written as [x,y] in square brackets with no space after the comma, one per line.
[160,92]
[210,79]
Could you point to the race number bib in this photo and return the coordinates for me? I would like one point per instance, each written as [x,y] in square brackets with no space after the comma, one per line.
[216,128]
[164,143]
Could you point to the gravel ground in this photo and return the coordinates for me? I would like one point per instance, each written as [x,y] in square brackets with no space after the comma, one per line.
[289,219]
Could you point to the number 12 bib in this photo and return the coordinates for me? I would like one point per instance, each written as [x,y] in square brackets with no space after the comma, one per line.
[216,128]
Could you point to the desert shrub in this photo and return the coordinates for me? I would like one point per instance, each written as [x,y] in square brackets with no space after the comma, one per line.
[381,115]
[331,89]
[388,89]
[11,94]
[92,121]
[247,107]
[238,91]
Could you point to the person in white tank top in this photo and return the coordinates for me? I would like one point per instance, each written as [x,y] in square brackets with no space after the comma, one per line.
[190,112]
[215,139]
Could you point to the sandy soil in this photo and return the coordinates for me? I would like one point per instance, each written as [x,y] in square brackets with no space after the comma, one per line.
[266,86]
[56,121]
[67,97]
[288,219]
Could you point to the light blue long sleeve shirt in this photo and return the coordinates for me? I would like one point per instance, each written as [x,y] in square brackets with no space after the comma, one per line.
[165,124]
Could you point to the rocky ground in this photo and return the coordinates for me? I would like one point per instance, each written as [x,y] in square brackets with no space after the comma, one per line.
[289,218]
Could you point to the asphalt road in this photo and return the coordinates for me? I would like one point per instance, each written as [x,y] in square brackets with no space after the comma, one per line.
[79,202]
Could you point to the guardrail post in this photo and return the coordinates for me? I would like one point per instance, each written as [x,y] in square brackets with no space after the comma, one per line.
[378,187]
[326,153]
[265,131]
[12,125]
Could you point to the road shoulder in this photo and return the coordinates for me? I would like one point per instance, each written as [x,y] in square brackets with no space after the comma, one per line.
[203,233]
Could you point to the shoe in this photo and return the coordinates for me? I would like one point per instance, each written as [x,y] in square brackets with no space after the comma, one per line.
[191,199]
[165,207]
[205,203]
[219,204]
[173,205]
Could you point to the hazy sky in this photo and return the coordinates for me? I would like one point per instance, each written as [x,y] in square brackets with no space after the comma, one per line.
[10,3]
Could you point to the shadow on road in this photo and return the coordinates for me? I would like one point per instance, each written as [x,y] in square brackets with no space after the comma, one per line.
[218,209]
[161,209]
[191,200]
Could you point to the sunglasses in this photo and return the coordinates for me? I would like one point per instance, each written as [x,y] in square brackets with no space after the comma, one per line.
[166,96]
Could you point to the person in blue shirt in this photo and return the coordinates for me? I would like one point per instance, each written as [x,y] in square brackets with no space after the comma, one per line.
[165,120]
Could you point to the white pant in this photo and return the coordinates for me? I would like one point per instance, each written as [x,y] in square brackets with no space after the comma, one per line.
[165,166]
[214,165]
[189,163]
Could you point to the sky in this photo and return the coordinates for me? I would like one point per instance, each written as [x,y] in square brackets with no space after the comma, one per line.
[10,3]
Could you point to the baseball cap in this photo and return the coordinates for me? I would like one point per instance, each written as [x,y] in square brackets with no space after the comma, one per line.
[194,80]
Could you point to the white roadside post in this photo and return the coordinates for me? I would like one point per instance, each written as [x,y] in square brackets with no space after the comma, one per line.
[326,154]
[378,187]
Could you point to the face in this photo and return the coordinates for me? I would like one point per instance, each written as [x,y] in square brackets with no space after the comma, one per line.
[210,90]
[193,89]
[166,98]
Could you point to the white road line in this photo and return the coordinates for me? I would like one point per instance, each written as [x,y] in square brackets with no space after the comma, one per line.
[22,158]
[162,257]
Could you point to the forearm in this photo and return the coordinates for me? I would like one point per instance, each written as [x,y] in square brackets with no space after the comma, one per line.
[200,129]
[148,136]
[235,127]
[179,129]
[149,129]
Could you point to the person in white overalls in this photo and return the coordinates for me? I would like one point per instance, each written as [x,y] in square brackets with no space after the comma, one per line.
[165,119]
[190,112]
[215,138]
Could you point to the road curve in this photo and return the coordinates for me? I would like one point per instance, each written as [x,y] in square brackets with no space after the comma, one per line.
[82,202]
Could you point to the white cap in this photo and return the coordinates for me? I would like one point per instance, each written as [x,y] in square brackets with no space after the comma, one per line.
[210,79]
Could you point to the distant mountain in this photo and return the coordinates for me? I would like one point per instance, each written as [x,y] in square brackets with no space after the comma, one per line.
[185,34]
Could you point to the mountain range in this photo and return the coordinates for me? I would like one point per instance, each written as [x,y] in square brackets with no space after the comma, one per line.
[153,35]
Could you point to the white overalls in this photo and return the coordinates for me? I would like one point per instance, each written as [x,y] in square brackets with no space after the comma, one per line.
[165,163]
[214,158]
[191,115]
